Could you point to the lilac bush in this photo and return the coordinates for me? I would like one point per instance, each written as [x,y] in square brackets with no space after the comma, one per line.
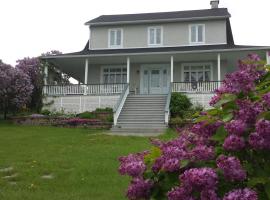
[224,155]
[15,89]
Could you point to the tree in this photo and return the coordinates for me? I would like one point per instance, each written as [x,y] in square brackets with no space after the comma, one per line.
[15,89]
[32,67]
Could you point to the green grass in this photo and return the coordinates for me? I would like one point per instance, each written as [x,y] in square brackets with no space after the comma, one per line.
[83,163]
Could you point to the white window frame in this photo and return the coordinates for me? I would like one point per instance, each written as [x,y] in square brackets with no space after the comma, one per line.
[155,39]
[195,65]
[197,35]
[111,67]
[109,38]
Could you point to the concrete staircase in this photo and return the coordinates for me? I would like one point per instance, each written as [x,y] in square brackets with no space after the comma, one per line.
[142,114]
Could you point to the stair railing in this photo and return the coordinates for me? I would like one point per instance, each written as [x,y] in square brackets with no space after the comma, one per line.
[120,103]
[167,106]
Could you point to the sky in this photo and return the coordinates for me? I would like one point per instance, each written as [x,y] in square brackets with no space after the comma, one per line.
[31,27]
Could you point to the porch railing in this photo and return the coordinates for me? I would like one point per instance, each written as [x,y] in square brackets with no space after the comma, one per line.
[121,101]
[167,105]
[196,87]
[93,89]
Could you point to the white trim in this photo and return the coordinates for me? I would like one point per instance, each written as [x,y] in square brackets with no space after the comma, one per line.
[172,63]
[268,57]
[158,53]
[109,67]
[86,72]
[160,20]
[193,64]
[147,47]
[203,34]
[109,38]
[219,69]
[128,69]
[161,36]
[90,37]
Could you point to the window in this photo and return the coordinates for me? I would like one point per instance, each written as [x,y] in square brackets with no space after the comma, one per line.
[197,72]
[114,75]
[155,36]
[115,38]
[196,33]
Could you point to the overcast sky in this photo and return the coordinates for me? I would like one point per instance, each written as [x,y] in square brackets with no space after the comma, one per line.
[31,27]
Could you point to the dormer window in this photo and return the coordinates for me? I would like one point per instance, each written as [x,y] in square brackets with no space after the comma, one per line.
[155,36]
[196,33]
[115,38]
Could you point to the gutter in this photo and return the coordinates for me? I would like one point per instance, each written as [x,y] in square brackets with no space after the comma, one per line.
[157,53]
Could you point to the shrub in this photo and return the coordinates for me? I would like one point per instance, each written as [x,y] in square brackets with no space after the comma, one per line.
[87,115]
[223,155]
[78,122]
[179,104]
[177,122]
[45,112]
[101,110]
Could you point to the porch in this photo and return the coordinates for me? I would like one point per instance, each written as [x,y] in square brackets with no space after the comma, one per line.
[103,76]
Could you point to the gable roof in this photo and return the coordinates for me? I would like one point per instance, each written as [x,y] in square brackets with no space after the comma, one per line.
[216,13]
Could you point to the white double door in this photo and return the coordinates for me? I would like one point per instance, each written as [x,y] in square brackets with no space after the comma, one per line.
[155,79]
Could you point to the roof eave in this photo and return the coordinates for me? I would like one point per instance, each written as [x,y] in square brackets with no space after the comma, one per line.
[158,53]
[157,20]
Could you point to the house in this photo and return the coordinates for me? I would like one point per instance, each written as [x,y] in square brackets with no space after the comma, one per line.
[133,62]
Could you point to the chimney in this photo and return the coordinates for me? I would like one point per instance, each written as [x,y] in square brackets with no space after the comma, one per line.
[214,4]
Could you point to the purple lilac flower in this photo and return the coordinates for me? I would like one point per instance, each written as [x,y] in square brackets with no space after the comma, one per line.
[171,165]
[202,152]
[231,167]
[214,100]
[205,129]
[139,189]
[157,166]
[248,111]
[199,178]
[180,193]
[261,138]
[241,194]
[236,127]
[234,143]
[132,165]
[209,195]
[266,99]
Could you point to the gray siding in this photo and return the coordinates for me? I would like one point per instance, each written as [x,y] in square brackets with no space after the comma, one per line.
[174,34]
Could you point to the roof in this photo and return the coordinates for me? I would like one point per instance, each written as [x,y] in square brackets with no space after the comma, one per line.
[160,50]
[215,13]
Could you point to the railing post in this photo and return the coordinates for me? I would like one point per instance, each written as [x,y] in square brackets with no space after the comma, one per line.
[85,76]
[46,75]
[128,69]
[218,66]
[172,69]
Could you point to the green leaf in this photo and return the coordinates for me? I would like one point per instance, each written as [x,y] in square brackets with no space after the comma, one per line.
[184,163]
[265,115]
[227,117]
[202,118]
[257,180]
[267,189]
[225,98]
[220,135]
[150,158]
[213,112]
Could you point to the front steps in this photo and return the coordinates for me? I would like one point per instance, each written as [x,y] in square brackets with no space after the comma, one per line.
[142,114]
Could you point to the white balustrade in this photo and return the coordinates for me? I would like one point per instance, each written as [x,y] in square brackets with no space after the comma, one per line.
[196,87]
[97,89]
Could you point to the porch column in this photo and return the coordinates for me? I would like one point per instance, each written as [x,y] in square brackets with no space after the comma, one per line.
[46,75]
[218,69]
[172,69]
[128,69]
[85,76]
[268,57]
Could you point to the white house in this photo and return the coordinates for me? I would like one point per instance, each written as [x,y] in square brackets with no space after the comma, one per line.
[133,62]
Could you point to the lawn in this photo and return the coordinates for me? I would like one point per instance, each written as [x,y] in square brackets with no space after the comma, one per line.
[49,163]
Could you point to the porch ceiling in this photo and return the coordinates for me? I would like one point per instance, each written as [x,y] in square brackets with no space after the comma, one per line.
[74,66]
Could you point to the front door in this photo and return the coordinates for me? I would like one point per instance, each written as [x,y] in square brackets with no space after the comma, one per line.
[154,79]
